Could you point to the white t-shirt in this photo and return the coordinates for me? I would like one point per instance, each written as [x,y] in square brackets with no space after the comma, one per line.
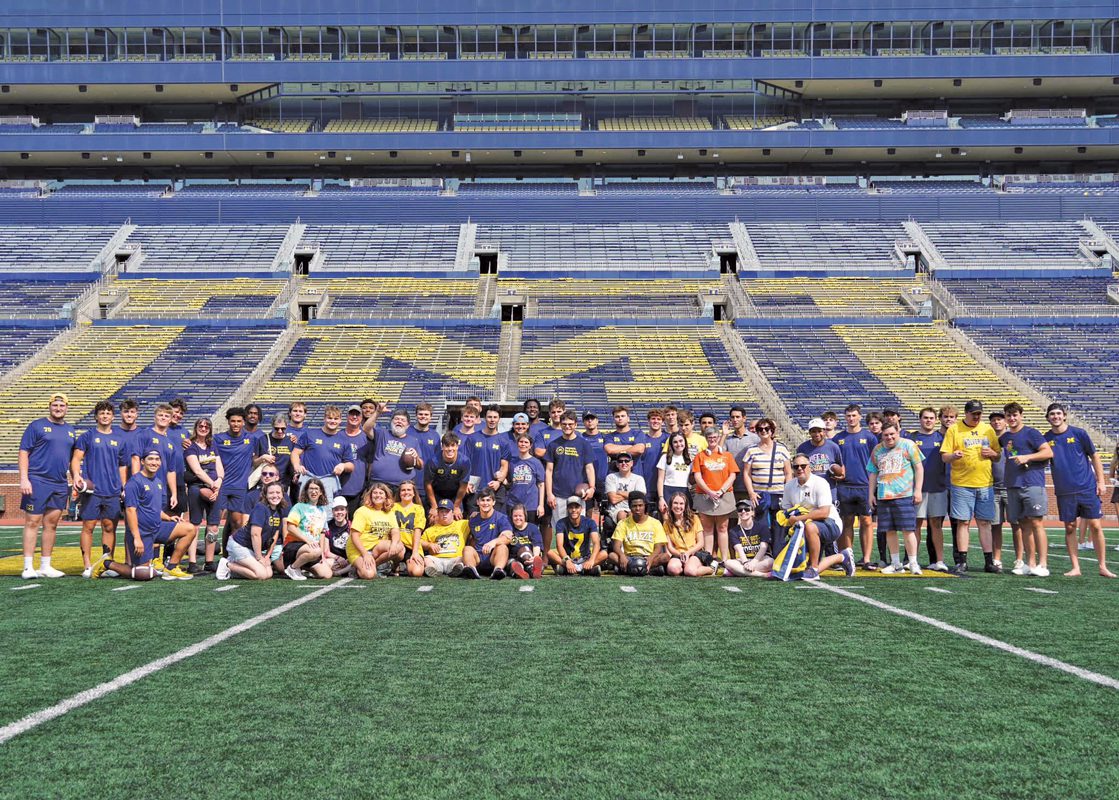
[815,493]
[616,482]
[676,471]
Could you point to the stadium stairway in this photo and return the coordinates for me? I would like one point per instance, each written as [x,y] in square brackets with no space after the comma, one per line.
[508,361]
[257,378]
[921,239]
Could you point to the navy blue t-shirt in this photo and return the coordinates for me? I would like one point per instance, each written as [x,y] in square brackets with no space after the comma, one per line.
[486,453]
[936,471]
[1072,461]
[528,536]
[821,459]
[569,458]
[430,443]
[486,530]
[280,448]
[146,496]
[855,448]
[601,462]
[207,461]
[646,465]
[322,452]
[49,446]
[446,478]
[169,447]
[270,523]
[1026,441]
[104,456]
[576,539]
[236,454]
[525,475]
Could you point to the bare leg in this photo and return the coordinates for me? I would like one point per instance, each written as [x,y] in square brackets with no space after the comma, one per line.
[1070,545]
[1095,530]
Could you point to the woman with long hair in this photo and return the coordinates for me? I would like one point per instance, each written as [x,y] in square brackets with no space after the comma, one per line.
[250,547]
[303,532]
[411,520]
[204,476]
[673,470]
[685,546]
[374,543]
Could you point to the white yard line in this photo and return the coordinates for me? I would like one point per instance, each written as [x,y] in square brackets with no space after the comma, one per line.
[1038,590]
[126,588]
[629,589]
[734,589]
[937,589]
[26,586]
[425,588]
[527,588]
[97,692]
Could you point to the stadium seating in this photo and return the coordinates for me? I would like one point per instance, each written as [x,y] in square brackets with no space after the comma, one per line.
[829,297]
[659,188]
[109,190]
[519,188]
[857,246]
[179,299]
[517,122]
[54,248]
[574,247]
[282,125]
[1073,364]
[384,247]
[655,124]
[39,299]
[1008,245]
[394,298]
[938,187]
[209,248]
[18,343]
[572,298]
[381,126]
[402,365]
[644,367]
[866,123]
[739,122]
[246,190]
[1012,297]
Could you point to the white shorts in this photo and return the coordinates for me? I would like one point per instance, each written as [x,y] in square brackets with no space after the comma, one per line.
[442,564]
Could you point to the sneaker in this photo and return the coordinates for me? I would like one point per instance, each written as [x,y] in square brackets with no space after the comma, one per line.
[101,567]
[998,567]
[51,572]
[848,562]
[210,566]
[222,572]
[537,567]
[559,569]
[1020,567]
[592,572]
[157,564]
[471,573]
[87,572]
[110,573]
[715,565]
[432,571]
[194,568]
[1038,572]
[498,574]
[991,568]
[1083,546]
[176,574]
[455,571]
[518,570]
[959,569]
[810,574]
[914,567]
[892,569]
[29,574]
[882,564]
[939,566]
[295,574]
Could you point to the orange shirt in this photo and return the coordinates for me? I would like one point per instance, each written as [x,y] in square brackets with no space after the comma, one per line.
[714,468]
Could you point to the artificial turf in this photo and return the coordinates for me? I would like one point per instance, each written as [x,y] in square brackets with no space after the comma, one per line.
[576,689]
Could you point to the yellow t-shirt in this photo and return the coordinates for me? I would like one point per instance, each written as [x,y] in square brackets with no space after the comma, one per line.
[409,518]
[696,444]
[684,539]
[372,526]
[640,539]
[450,538]
[972,471]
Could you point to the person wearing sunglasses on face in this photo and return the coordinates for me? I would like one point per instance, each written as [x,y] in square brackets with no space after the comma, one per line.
[807,498]
[204,477]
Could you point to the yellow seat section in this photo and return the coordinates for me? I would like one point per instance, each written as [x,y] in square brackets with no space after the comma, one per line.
[381,126]
[655,124]
[738,122]
[923,366]
[862,297]
[589,298]
[282,125]
[394,297]
[153,297]
[89,369]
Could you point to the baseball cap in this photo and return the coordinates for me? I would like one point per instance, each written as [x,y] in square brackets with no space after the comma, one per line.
[890,412]
[743,505]
[353,408]
[445,503]
[998,412]
[339,502]
[623,457]
[152,452]
[971,406]
[575,500]
[520,416]
[816,422]
[59,396]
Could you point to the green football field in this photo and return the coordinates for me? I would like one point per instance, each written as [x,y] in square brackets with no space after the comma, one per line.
[580,688]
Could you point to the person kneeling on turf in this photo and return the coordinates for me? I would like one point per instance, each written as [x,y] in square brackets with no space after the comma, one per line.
[807,499]
[640,544]
[148,525]
[578,547]
[250,547]
[491,533]
[751,542]
[526,545]
[443,549]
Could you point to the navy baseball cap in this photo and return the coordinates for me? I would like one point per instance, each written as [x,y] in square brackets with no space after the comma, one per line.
[445,503]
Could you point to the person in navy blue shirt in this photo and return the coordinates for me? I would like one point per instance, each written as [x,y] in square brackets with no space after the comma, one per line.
[596,441]
[1025,453]
[275,449]
[254,414]
[361,455]
[446,478]
[44,458]
[181,435]
[99,467]
[491,533]
[526,561]
[526,480]
[147,525]
[1079,484]
[625,439]
[531,409]
[545,435]
[824,455]
[159,437]
[425,434]
[646,465]
[235,448]
[389,448]
[323,454]
[853,491]
[129,413]
[568,462]
[488,456]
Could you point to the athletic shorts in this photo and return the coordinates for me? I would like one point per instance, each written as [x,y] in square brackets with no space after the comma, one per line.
[291,552]
[1082,505]
[45,497]
[161,535]
[1115,495]
[934,505]
[442,564]
[485,566]
[829,531]
[854,501]
[898,514]
[93,507]
[235,501]
[1026,502]
[237,551]
[277,552]
[966,502]
[1000,506]
[202,510]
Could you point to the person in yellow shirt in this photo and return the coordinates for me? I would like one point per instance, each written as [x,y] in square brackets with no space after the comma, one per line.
[442,549]
[640,544]
[696,442]
[970,447]
[410,518]
[374,546]
[685,542]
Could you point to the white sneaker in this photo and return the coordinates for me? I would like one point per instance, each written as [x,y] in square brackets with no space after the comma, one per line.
[1083,546]
[223,572]
[110,573]
[939,566]
[51,572]
[891,569]
[29,574]
[87,572]
[1038,572]
[294,574]
[914,568]
[1020,568]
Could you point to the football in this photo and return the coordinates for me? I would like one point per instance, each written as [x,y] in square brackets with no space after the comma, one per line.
[581,490]
[409,459]
[83,485]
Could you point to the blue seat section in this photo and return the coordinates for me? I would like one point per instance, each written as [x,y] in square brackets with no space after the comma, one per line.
[814,371]
[39,298]
[1009,245]
[1073,364]
[519,188]
[250,190]
[208,248]
[370,248]
[866,123]
[52,248]
[1088,188]
[109,190]
[19,343]
[833,245]
[657,187]
[938,187]
[204,366]
[239,303]
[986,296]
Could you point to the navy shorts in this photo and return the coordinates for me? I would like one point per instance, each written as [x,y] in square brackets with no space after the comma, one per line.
[897,515]
[202,509]
[94,507]
[236,501]
[45,497]
[150,539]
[853,501]
[1085,505]
[485,566]
[829,531]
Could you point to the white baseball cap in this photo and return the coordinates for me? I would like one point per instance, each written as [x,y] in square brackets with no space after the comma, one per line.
[817,422]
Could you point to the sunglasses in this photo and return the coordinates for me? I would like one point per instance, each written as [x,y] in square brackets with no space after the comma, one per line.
[799,467]
[279,430]
[270,474]
[763,429]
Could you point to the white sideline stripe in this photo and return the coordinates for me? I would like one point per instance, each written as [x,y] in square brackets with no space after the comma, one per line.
[126,588]
[528,588]
[937,589]
[734,589]
[26,586]
[426,588]
[629,589]
[97,692]
[1039,591]
[225,588]
[1029,655]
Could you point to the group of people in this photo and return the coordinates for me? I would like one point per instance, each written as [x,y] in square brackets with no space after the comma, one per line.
[684,496]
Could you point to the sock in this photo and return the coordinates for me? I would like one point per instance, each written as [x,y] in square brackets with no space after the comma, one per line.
[29,562]
[106,550]
[45,562]
[929,544]
[959,556]
[988,558]
[895,559]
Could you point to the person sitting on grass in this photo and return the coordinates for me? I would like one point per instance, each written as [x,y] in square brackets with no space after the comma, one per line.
[578,546]
[374,547]
[337,535]
[751,543]
[807,499]
[303,531]
[251,545]
[526,545]
[443,549]
[685,545]
[410,519]
[491,533]
[640,544]
[148,525]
